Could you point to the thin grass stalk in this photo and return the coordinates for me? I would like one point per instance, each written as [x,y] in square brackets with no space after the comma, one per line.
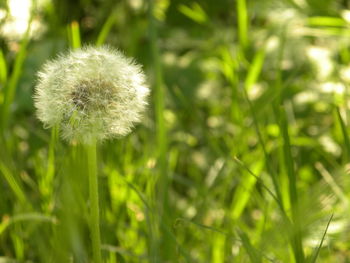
[296,237]
[11,84]
[278,89]
[74,35]
[106,28]
[242,21]
[269,167]
[13,182]
[159,92]
[290,199]
[346,139]
[164,242]
[46,183]
[3,70]
[318,248]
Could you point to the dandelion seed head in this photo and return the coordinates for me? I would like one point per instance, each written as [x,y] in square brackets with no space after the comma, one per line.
[91,93]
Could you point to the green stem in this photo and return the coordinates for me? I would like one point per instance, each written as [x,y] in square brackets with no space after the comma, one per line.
[93,189]
[242,21]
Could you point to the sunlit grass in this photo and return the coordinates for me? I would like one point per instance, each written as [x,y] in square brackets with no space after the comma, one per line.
[242,156]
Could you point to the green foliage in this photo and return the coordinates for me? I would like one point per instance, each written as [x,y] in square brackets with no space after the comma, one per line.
[243,155]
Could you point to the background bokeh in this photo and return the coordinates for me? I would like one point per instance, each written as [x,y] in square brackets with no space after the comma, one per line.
[243,155]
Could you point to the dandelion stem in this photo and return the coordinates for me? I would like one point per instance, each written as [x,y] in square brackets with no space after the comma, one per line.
[93,189]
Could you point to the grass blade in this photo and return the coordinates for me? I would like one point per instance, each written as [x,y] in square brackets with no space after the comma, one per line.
[30,217]
[11,180]
[196,13]
[253,254]
[106,28]
[74,35]
[166,244]
[243,192]
[255,69]
[242,21]
[345,134]
[296,239]
[317,251]
[3,68]
[10,89]
[252,77]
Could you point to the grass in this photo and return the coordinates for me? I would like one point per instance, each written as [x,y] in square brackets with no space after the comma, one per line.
[242,156]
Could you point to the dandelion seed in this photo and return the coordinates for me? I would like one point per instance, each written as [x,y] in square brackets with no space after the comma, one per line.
[91,93]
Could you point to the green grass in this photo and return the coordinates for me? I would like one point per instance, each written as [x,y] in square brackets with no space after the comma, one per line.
[242,155]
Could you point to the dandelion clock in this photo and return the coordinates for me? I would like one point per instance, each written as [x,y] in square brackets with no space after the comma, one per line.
[91,94]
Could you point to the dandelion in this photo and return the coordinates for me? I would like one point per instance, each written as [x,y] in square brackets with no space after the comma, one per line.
[91,93]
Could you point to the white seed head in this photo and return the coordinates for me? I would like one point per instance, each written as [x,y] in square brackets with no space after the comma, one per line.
[93,93]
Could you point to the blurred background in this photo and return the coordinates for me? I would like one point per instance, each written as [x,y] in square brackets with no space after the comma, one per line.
[247,123]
